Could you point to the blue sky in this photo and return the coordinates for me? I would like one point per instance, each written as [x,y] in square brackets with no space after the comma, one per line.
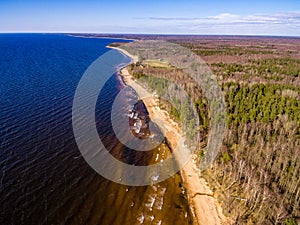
[254,17]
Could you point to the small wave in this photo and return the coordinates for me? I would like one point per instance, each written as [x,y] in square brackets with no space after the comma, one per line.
[151,217]
[151,201]
[154,188]
[162,191]
[141,218]
[154,177]
[157,156]
[159,203]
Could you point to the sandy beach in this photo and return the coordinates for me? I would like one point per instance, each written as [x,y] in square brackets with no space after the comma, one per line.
[133,57]
[204,207]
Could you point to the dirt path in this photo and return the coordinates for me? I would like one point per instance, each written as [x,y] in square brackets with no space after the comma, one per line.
[205,209]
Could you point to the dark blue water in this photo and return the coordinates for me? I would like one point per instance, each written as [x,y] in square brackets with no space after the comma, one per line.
[44,179]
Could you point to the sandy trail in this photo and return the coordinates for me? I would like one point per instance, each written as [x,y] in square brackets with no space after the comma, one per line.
[205,208]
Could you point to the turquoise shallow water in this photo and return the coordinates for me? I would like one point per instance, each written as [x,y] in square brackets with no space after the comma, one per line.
[44,179]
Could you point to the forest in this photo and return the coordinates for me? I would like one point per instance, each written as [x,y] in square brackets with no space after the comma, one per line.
[256,176]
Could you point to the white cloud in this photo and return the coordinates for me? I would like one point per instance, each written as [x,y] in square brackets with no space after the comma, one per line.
[228,18]
[286,23]
[224,16]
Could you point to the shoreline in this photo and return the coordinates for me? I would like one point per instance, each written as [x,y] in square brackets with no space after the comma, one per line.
[204,207]
[133,58]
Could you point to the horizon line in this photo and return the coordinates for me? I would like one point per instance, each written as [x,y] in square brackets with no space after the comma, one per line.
[159,34]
